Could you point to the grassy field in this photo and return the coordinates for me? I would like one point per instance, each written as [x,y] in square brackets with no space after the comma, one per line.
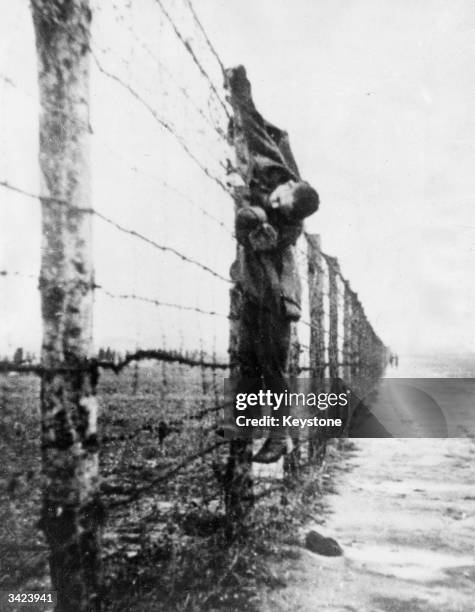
[166,550]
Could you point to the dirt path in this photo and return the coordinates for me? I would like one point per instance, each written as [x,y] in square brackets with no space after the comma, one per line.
[404,513]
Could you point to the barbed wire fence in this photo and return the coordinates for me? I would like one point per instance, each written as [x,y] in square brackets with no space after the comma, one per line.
[156,289]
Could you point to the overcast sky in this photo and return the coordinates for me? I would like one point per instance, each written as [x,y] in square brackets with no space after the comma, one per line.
[377,97]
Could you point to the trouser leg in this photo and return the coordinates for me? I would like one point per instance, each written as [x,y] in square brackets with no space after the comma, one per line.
[250,371]
[274,351]
[264,343]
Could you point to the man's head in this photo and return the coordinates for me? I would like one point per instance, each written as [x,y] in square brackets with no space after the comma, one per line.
[306,200]
[296,200]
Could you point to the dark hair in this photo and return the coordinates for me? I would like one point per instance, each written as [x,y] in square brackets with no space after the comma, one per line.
[306,201]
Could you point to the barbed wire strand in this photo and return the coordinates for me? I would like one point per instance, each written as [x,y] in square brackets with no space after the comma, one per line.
[167,475]
[208,41]
[162,66]
[132,296]
[168,186]
[116,225]
[162,122]
[189,49]
[5,273]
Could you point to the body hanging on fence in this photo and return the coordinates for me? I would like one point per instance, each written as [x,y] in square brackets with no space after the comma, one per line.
[268,223]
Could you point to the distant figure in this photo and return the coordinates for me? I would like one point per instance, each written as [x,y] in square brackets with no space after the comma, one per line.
[393,360]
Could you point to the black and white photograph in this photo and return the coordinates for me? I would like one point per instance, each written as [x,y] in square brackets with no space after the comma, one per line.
[237,306]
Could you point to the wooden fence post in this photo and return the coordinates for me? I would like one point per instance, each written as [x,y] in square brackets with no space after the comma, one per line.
[292,460]
[354,338]
[294,355]
[238,478]
[135,379]
[347,320]
[333,269]
[362,350]
[317,334]
[71,512]
[317,338]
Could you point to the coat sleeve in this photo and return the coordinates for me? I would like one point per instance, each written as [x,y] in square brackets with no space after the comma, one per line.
[248,218]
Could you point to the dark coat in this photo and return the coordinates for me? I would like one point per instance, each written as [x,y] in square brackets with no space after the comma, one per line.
[265,268]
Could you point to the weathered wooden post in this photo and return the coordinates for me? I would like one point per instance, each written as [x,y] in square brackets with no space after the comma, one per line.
[317,340]
[135,379]
[333,269]
[354,338]
[357,342]
[71,509]
[347,320]
[238,477]
[363,350]
[292,460]
[317,337]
